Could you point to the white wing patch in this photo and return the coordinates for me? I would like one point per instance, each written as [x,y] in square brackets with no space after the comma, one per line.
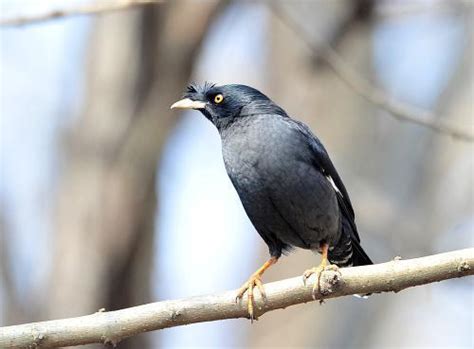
[329,178]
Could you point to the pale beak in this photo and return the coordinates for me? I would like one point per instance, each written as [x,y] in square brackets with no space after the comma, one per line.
[187,103]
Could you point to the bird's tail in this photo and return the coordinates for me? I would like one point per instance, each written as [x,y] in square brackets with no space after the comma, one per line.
[359,257]
[348,252]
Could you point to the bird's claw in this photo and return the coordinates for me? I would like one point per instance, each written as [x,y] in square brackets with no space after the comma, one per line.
[252,282]
[318,271]
[317,284]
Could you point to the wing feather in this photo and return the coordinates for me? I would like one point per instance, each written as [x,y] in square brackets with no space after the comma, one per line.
[325,165]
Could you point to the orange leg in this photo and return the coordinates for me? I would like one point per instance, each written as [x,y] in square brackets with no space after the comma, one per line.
[318,270]
[254,280]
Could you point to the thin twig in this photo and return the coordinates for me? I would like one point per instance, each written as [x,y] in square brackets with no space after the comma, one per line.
[396,10]
[364,88]
[84,10]
[359,84]
[111,327]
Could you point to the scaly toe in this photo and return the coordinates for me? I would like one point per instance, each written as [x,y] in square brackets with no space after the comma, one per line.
[308,273]
[316,287]
[241,292]
[260,287]
[249,287]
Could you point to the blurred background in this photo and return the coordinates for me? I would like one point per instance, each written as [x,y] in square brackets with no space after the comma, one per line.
[108,199]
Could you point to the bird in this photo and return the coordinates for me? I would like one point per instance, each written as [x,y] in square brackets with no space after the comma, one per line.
[285,179]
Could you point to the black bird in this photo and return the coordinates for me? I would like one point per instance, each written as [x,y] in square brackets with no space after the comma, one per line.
[284,177]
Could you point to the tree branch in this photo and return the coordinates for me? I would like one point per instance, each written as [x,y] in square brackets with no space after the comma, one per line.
[365,89]
[111,327]
[84,10]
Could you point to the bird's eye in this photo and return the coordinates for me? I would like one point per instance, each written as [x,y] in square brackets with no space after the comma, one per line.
[218,98]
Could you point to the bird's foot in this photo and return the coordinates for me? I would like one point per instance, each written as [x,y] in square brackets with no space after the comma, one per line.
[318,271]
[254,281]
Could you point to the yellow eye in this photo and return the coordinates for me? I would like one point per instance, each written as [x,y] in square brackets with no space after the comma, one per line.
[218,98]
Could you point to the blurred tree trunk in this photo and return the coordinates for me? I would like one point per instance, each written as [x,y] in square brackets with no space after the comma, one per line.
[140,61]
[13,311]
[446,193]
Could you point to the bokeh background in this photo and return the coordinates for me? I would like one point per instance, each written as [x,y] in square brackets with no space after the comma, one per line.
[109,199]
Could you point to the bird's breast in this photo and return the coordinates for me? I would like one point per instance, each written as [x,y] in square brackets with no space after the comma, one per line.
[263,145]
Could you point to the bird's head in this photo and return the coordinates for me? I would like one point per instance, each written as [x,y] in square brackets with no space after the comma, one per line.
[223,104]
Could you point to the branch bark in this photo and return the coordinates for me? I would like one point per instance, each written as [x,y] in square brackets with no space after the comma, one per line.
[111,327]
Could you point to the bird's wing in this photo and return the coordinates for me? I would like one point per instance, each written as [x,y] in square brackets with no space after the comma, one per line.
[325,165]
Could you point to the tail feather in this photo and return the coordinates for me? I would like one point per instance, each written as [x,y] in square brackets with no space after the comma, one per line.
[348,252]
[359,257]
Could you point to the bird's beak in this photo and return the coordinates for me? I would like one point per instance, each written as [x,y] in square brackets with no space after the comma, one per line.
[187,103]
